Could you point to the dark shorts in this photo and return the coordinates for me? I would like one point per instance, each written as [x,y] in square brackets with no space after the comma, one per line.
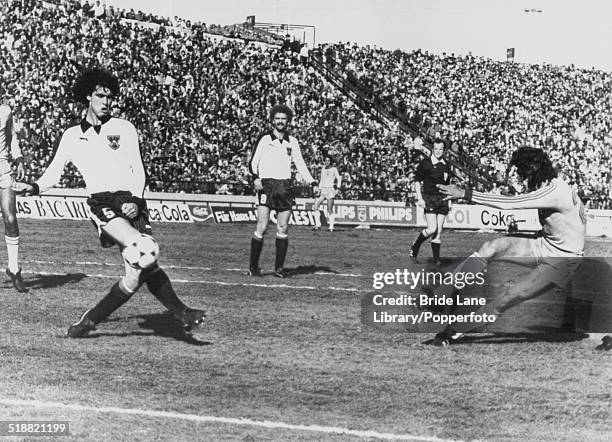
[276,194]
[106,206]
[436,204]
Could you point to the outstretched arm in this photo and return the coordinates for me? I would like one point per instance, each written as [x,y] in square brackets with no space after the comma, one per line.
[52,174]
[546,197]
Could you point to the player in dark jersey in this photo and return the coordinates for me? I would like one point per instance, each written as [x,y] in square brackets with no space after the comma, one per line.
[430,172]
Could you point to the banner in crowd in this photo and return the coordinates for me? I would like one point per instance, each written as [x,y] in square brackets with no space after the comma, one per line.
[599,223]
[225,215]
[464,216]
[76,208]
[201,212]
[72,205]
[373,214]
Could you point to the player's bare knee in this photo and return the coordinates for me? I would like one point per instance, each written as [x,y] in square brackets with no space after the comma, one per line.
[10,221]
[131,281]
[488,249]
[281,229]
[261,230]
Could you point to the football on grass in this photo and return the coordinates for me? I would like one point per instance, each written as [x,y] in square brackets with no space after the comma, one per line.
[142,252]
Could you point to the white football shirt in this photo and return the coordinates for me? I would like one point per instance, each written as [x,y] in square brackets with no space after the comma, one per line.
[272,158]
[328,176]
[109,161]
[562,214]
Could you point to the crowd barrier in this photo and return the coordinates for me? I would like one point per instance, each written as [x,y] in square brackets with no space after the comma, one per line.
[71,204]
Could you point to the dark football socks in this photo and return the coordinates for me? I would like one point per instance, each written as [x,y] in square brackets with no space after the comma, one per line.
[281,251]
[107,305]
[160,286]
[435,250]
[416,245]
[256,246]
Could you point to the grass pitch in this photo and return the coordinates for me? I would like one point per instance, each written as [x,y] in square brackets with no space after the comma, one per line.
[288,351]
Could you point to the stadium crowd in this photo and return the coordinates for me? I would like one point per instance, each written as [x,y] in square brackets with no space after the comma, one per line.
[487,108]
[200,99]
[199,102]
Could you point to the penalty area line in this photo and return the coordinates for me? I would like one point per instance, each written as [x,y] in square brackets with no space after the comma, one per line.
[172,266]
[202,281]
[219,420]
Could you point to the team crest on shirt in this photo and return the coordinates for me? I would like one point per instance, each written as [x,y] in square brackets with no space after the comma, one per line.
[114,141]
[289,150]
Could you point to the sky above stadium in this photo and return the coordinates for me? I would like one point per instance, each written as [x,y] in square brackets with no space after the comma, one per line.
[541,31]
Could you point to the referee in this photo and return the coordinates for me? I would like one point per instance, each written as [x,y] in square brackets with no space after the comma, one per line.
[270,166]
[431,172]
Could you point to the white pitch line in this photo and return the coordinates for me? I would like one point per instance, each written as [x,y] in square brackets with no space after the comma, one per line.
[221,420]
[349,275]
[203,281]
[110,264]
[172,266]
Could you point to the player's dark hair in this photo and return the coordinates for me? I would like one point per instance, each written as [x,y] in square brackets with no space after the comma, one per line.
[533,165]
[90,79]
[281,109]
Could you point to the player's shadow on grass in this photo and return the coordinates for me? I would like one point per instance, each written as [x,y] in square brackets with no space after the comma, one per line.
[308,270]
[161,324]
[52,281]
[544,334]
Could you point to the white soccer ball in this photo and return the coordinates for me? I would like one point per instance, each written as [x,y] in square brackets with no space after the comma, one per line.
[142,252]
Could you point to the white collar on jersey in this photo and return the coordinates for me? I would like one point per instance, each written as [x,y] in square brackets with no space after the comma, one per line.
[435,161]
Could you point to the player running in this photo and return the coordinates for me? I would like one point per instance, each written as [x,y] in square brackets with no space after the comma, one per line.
[106,151]
[270,166]
[554,252]
[431,172]
[328,187]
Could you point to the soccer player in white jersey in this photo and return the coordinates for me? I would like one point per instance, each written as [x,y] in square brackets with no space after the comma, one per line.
[270,166]
[328,185]
[105,150]
[9,150]
[554,253]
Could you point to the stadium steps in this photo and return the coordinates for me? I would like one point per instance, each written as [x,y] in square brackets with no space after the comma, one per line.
[388,114]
